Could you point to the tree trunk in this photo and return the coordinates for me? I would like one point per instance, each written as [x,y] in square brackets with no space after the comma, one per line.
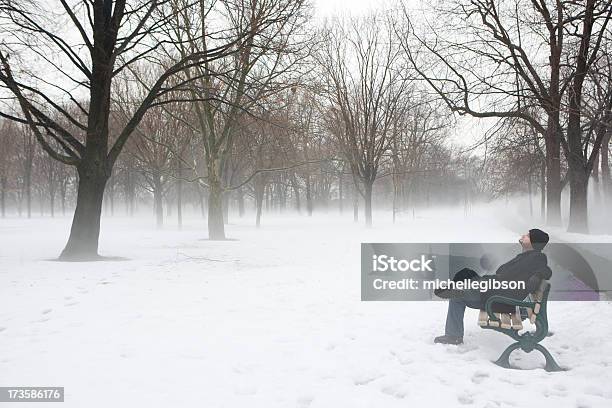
[543,192]
[308,196]
[367,185]
[130,189]
[596,181]
[340,183]
[28,190]
[578,175]
[52,180]
[20,204]
[395,183]
[158,201]
[259,196]
[203,201]
[85,231]
[605,167]
[240,199]
[52,201]
[579,181]
[3,195]
[552,138]
[283,197]
[63,185]
[530,193]
[296,192]
[225,208]
[94,168]
[179,196]
[111,195]
[41,202]
[355,204]
[216,228]
[577,162]
[168,206]
[553,174]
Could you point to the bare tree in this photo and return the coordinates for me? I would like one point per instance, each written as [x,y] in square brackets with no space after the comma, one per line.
[257,70]
[594,19]
[8,161]
[361,61]
[487,54]
[109,36]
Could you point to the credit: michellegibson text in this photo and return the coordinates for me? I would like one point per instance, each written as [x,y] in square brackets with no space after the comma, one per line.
[417,284]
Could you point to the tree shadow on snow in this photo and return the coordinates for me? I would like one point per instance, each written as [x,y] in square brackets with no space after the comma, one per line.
[97,258]
[220,240]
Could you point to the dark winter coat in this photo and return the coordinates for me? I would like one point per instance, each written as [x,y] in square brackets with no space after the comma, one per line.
[529,267]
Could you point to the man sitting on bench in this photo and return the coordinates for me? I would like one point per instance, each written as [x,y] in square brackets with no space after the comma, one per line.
[530,266]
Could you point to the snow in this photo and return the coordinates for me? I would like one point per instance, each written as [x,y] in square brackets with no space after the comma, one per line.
[270,319]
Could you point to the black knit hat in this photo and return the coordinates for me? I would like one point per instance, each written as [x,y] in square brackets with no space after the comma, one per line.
[538,239]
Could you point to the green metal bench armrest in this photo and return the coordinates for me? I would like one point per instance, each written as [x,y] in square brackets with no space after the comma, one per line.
[506,301]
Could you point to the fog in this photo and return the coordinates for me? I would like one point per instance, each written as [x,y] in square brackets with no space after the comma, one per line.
[189,192]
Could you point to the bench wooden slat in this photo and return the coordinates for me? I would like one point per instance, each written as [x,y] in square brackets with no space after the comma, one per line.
[506,321]
[536,308]
[517,322]
[483,318]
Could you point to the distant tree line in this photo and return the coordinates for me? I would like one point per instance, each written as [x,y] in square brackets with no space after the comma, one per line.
[228,105]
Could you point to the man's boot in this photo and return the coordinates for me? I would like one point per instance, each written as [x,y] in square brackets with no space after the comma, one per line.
[448,340]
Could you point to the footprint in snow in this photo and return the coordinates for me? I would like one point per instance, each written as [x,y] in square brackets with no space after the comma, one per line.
[479,376]
[47,311]
[394,392]
[466,348]
[71,303]
[245,390]
[366,379]
[403,359]
[305,401]
[465,399]
[2,329]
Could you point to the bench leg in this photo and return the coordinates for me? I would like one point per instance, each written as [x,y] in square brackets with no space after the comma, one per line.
[504,359]
[551,364]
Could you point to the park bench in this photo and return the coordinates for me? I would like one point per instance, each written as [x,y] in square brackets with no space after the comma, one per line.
[511,323]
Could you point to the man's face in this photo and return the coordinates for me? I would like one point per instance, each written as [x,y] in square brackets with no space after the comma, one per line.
[525,241]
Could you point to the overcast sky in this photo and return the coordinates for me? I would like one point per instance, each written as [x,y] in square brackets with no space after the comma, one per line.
[325,8]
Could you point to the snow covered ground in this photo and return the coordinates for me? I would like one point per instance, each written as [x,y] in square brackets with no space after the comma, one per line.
[271,319]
